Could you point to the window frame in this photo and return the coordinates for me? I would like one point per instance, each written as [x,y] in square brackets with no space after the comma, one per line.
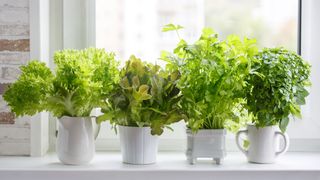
[179,144]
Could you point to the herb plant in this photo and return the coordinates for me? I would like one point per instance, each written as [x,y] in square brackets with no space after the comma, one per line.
[213,78]
[82,78]
[145,96]
[277,88]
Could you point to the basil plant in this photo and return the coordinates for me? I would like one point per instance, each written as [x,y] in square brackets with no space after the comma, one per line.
[277,87]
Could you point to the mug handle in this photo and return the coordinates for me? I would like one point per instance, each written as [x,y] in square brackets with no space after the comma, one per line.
[286,142]
[238,140]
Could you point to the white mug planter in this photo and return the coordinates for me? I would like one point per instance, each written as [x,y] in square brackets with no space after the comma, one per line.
[138,146]
[263,143]
[206,143]
[75,142]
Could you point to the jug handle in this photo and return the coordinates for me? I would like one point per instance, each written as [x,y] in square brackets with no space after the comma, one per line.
[238,141]
[286,142]
[96,126]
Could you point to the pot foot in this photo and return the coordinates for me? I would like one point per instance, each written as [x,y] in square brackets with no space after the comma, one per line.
[192,160]
[217,160]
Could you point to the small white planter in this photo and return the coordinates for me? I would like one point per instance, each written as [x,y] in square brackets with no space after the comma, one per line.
[264,143]
[138,146]
[206,143]
[75,142]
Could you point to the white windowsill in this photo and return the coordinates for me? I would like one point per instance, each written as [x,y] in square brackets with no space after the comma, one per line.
[170,166]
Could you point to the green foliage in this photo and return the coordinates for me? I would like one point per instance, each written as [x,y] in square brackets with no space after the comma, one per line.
[213,74]
[171,27]
[277,87]
[28,94]
[145,96]
[82,78]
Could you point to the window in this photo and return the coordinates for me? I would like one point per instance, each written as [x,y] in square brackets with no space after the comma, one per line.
[134,27]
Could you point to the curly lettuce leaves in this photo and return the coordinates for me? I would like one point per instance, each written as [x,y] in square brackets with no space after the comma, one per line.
[82,79]
[29,94]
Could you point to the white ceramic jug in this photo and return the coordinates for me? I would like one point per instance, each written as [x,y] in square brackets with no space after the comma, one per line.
[75,142]
[263,143]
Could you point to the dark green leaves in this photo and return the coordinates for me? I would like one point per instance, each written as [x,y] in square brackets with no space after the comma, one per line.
[277,87]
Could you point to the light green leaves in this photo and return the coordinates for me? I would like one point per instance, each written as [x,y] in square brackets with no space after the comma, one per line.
[212,79]
[82,79]
[28,95]
[142,93]
[171,27]
[146,96]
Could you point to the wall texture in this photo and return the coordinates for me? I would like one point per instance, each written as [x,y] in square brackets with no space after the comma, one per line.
[14,52]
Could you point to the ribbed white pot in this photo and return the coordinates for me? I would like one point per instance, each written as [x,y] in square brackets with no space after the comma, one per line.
[75,142]
[206,143]
[264,143]
[138,146]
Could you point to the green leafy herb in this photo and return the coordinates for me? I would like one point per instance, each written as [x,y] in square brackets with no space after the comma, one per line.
[213,74]
[145,96]
[81,80]
[277,87]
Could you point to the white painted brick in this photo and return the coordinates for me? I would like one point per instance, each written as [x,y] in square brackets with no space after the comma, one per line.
[11,134]
[3,105]
[20,30]
[21,122]
[14,148]
[9,74]
[14,3]
[14,58]
[11,16]
[14,24]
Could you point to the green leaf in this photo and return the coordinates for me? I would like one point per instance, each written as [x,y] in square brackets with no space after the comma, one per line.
[276,86]
[104,117]
[171,27]
[246,144]
[283,124]
[82,80]
[154,103]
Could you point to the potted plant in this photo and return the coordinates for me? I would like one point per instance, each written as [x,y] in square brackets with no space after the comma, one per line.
[276,90]
[142,105]
[212,82]
[81,79]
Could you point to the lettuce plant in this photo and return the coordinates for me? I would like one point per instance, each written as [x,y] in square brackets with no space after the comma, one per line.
[213,77]
[146,96]
[81,79]
[277,88]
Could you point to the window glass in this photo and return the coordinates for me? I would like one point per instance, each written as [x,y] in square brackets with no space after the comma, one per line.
[134,27]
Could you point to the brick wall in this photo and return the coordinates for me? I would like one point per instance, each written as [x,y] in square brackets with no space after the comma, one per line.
[14,52]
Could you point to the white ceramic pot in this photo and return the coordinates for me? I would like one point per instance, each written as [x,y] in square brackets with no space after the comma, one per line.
[138,146]
[75,142]
[206,143]
[264,143]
